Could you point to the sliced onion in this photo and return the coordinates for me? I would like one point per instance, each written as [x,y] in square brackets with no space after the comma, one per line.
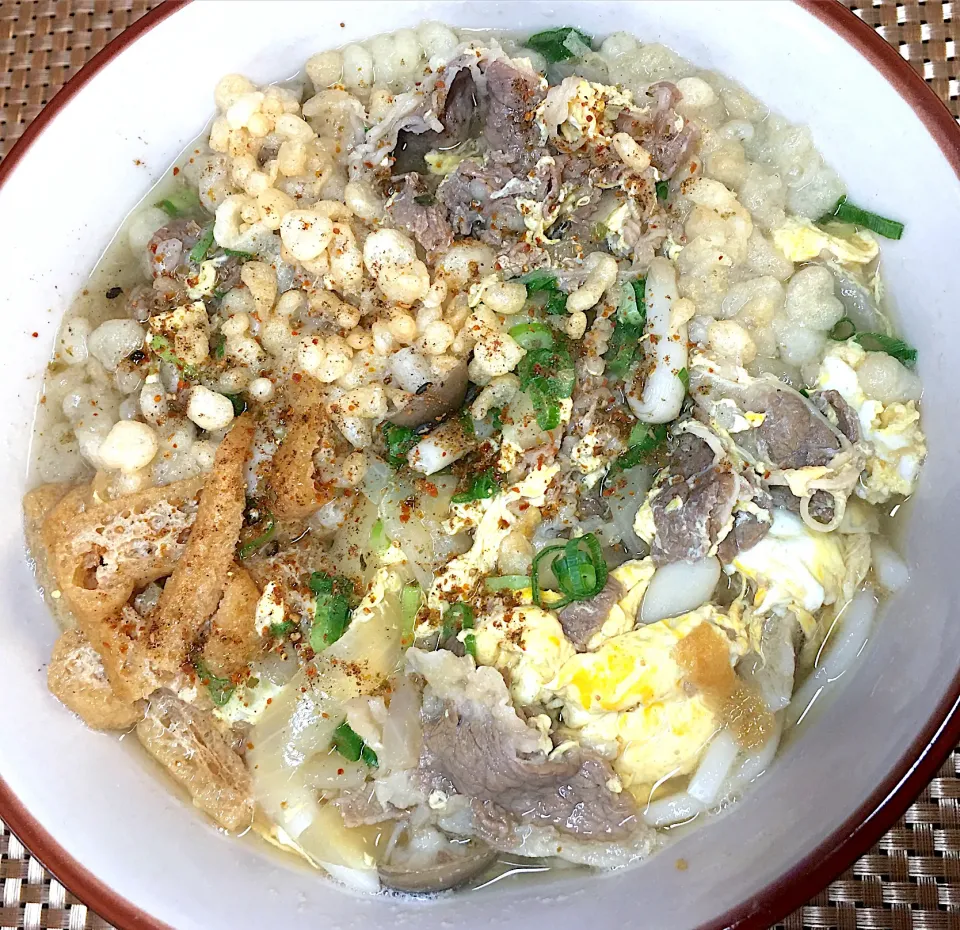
[713,769]
[889,568]
[752,764]
[678,588]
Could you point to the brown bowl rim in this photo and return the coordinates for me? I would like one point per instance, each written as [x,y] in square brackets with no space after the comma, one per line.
[848,842]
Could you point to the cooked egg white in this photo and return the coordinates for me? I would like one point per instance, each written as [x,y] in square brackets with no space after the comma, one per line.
[801,241]
[898,446]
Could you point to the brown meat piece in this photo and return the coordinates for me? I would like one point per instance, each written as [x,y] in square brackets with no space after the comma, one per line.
[847,420]
[291,480]
[687,531]
[234,642]
[193,591]
[171,244]
[456,107]
[467,194]
[188,744]
[582,619]
[794,434]
[514,95]
[655,127]
[747,531]
[465,744]
[821,502]
[76,677]
[416,210]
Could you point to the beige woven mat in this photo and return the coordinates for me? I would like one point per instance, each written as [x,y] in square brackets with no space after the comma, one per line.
[911,879]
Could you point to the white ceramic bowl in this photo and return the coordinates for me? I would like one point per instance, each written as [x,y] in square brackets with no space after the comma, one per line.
[90,808]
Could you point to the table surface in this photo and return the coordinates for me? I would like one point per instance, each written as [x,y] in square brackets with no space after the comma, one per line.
[910,879]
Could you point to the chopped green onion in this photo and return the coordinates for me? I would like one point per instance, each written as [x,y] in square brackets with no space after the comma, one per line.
[460,616]
[878,342]
[181,201]
[279,630]
[556,304]
[848,213]
[348,743]
[466,421]
[843,329]
[532,335]
[219,293]
[400,440]
[239,404]
[545,407]
[410,600]
[221,689]
[684,377]
[663,190]
[495,418]
[236,253]
[331,615]
[482,487]
[643,440]
[631,307]
[552,43]
[640,290]
[506,582]
[378,538]
[219,345]
[199,252]
[580,574]
[258,542]
[539,281]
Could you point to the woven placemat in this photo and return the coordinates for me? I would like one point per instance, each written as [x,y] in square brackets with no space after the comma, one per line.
[910,879]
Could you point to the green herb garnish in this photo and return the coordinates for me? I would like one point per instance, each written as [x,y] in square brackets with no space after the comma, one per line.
[161,348]
[221,689]
[579,567]
[848,213]
[331,615]
[279,630]
[199,252]
[482,487]
[684,377]
[181,201]
[496,421]
[239,404]
[663,190]
[643,440]
[628,330]
[539,281]
[506,582]
[348,743]
[557,44]
[236,253]
[460,616]
[219,345]
[399,440]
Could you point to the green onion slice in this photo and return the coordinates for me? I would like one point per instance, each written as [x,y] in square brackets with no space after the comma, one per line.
[410,600]
[579,567]
[179,202]
[331,615]
[843,329]
[539,281]
[546,408]
[555,44]
[482,487]
[506,582]
[239,404]
[379,541]
[199,252]
[643,440]
[236,253]
[399,441]
[532,335]
[684,377]
[848,213]
[878,342]
[663,190]
[258,542]
[279,630]
[348,743]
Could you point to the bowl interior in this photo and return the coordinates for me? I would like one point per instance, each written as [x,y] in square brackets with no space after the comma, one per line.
[106,806]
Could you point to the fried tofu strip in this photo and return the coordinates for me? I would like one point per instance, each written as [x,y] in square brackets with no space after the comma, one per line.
[291,480]
[194,589]
[76,677]
[188,744]
[234,642]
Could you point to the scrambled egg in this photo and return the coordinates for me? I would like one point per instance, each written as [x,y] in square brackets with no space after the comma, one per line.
[801,241]
[443,163]
[795,569]
[205,283]
[586,117]
[460,575]
[893,431]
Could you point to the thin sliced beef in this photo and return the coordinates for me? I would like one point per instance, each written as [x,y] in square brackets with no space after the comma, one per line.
[465,744]
[689,455]
[660,130]
[794,434]
[479,202]
[514,95]
[456,108]
[582,619]
[416,210]
[847,420]
[689,514]
[821,503]
[170,246]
